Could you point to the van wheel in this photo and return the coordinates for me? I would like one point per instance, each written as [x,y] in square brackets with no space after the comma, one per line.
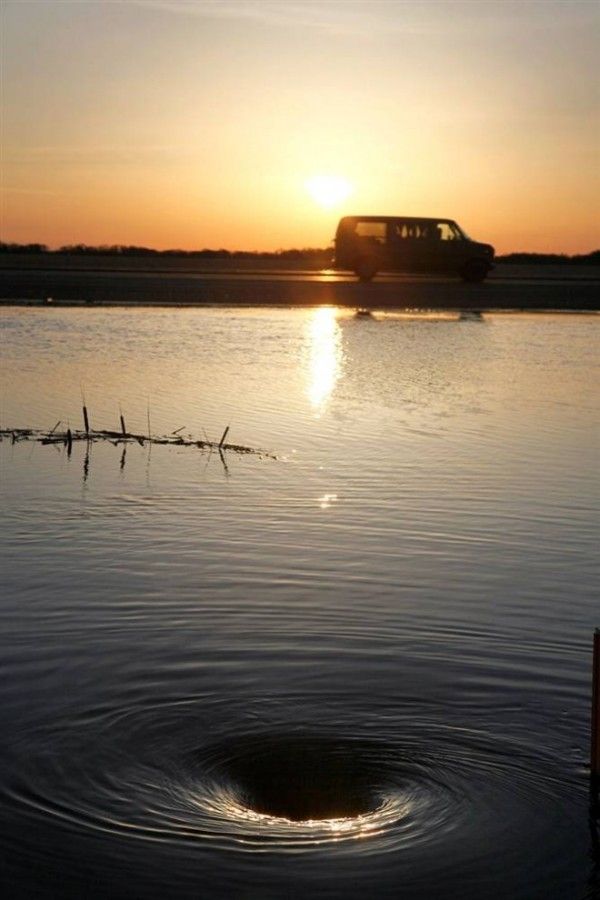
[365,269]
[475,270]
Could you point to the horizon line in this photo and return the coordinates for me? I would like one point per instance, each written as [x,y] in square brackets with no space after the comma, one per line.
[82,249]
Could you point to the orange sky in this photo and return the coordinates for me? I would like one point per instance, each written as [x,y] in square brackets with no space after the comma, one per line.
[177,123]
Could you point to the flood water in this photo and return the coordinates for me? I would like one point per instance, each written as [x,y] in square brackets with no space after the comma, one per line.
[359,669]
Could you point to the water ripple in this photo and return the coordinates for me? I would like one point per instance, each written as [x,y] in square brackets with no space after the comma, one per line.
[146,772]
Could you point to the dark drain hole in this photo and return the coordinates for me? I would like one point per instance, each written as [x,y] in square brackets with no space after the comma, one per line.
[301,781]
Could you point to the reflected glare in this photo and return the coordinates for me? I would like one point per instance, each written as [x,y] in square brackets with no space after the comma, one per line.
[325,355]
[299,833]
[326,500]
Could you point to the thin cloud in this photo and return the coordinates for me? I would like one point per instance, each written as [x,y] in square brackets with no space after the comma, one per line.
[365,20]
[338,18]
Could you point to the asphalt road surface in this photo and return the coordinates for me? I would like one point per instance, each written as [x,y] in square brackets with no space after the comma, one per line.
[506,289]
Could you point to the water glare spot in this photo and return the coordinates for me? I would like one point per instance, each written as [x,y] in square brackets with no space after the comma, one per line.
[325,356]
[326,500]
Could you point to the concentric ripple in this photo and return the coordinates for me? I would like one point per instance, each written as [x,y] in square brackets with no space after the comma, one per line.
[144,773]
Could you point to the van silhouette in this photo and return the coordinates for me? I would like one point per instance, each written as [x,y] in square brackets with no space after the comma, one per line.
[370,244]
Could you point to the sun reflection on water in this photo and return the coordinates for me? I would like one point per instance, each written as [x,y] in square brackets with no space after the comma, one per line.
[325,356]
[316,831]
[326,500]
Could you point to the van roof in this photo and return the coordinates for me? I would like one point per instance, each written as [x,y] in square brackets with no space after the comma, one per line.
[394,219]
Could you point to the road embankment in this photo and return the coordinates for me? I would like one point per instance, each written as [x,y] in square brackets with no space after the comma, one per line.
[297,288]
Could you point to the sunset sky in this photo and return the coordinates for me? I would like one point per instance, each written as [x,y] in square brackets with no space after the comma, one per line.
[256,124]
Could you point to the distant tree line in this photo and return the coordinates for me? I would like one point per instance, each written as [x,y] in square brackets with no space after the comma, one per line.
[321,255]
[552,259]
[131,250]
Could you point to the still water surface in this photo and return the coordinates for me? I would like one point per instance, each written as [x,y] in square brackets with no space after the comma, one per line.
[361,669]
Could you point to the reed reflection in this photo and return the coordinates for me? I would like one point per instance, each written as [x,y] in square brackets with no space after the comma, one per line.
[325,356]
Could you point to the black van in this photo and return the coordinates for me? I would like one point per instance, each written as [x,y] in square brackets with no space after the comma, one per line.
[370,244]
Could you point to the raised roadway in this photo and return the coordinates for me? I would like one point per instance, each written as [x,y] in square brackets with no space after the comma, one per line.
[509,287]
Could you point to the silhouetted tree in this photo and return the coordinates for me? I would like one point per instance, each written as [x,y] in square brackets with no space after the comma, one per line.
[23,248]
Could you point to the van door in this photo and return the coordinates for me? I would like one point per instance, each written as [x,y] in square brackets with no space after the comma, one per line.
[370,242]
[405,246]
[431,249]
[451,247]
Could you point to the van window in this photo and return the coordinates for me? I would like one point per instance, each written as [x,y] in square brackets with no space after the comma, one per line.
[417,229]
[400,230]
[449,232]
[373,230]
[405,230]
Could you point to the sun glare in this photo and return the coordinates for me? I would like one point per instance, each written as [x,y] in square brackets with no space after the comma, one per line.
[328,190]
[325,355]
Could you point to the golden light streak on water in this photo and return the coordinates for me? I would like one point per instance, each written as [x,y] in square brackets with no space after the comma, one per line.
[316,831]
[325,356]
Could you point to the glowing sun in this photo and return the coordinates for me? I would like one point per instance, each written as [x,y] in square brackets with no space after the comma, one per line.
[328,190]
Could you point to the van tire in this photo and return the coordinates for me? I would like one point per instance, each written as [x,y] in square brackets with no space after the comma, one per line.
[474,271]
[365,269]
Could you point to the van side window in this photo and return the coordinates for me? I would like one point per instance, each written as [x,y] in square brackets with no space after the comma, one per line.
[402,230]
[376,231]
[448,231]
